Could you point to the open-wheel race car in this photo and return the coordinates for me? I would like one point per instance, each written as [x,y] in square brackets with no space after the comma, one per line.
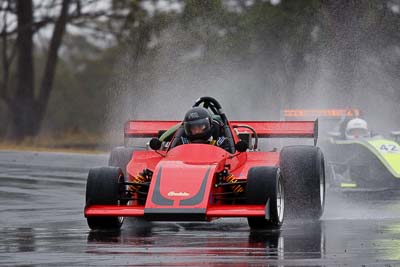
[171,181]
[368,163]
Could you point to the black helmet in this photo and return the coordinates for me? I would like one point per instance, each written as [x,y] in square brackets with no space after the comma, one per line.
[197,124]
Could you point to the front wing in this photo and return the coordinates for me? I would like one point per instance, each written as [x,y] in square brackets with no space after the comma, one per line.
[183,214]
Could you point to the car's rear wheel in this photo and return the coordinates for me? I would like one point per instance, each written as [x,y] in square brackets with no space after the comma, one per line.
[303,173]
[264,186]
[120,157]
[105,186]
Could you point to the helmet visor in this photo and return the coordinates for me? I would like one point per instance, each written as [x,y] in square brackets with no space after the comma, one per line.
[358,132]
[197,127]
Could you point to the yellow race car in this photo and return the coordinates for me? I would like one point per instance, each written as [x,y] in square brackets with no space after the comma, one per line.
[361,162]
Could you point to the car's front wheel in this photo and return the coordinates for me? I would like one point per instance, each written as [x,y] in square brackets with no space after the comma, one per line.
[105,186]
[264,186]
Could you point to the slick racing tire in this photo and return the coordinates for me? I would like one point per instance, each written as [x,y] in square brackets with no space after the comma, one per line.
[264,186]
[120,157]
[104,186]
[303,173]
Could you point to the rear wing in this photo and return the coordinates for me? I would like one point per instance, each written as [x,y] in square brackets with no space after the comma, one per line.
[281,129]
[139,128]
[264,129]
[312,114]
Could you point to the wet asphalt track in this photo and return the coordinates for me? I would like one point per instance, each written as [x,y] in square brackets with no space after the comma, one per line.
[42,224]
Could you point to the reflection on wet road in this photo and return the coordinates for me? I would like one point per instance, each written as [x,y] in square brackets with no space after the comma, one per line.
[42,223]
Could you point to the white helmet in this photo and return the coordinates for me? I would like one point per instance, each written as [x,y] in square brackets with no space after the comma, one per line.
[357,128]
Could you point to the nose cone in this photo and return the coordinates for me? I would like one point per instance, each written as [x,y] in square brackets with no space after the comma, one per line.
[180,190]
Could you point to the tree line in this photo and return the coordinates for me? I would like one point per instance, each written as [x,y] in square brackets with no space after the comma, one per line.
[66,63]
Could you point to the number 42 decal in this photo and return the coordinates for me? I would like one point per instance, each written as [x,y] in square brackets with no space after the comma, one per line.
[389,148]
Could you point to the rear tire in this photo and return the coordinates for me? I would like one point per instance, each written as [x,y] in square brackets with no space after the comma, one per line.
[303,173]
[120,157]
[104,187]
[264,185]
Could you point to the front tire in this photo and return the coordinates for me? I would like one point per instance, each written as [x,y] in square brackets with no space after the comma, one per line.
[104,186]
[264,186]
[303,172]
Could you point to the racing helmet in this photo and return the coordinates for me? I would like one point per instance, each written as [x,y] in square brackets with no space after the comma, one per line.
[357,128]
[197,124]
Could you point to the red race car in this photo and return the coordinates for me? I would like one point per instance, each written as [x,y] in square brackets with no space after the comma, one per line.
[201,182]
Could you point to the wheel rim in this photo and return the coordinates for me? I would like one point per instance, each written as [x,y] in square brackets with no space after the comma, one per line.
[280,202]
[121,186]
[322,185]
[121,180]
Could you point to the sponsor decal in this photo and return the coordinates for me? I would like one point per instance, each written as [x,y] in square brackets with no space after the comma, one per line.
[178,194]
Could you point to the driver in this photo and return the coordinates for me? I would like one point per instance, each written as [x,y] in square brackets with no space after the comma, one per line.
[200,128]
[357,128]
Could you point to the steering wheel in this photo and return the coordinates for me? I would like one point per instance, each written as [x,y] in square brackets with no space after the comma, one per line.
[209,103]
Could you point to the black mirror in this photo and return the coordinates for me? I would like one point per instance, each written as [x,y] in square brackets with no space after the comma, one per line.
[241,146]
[155,144]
